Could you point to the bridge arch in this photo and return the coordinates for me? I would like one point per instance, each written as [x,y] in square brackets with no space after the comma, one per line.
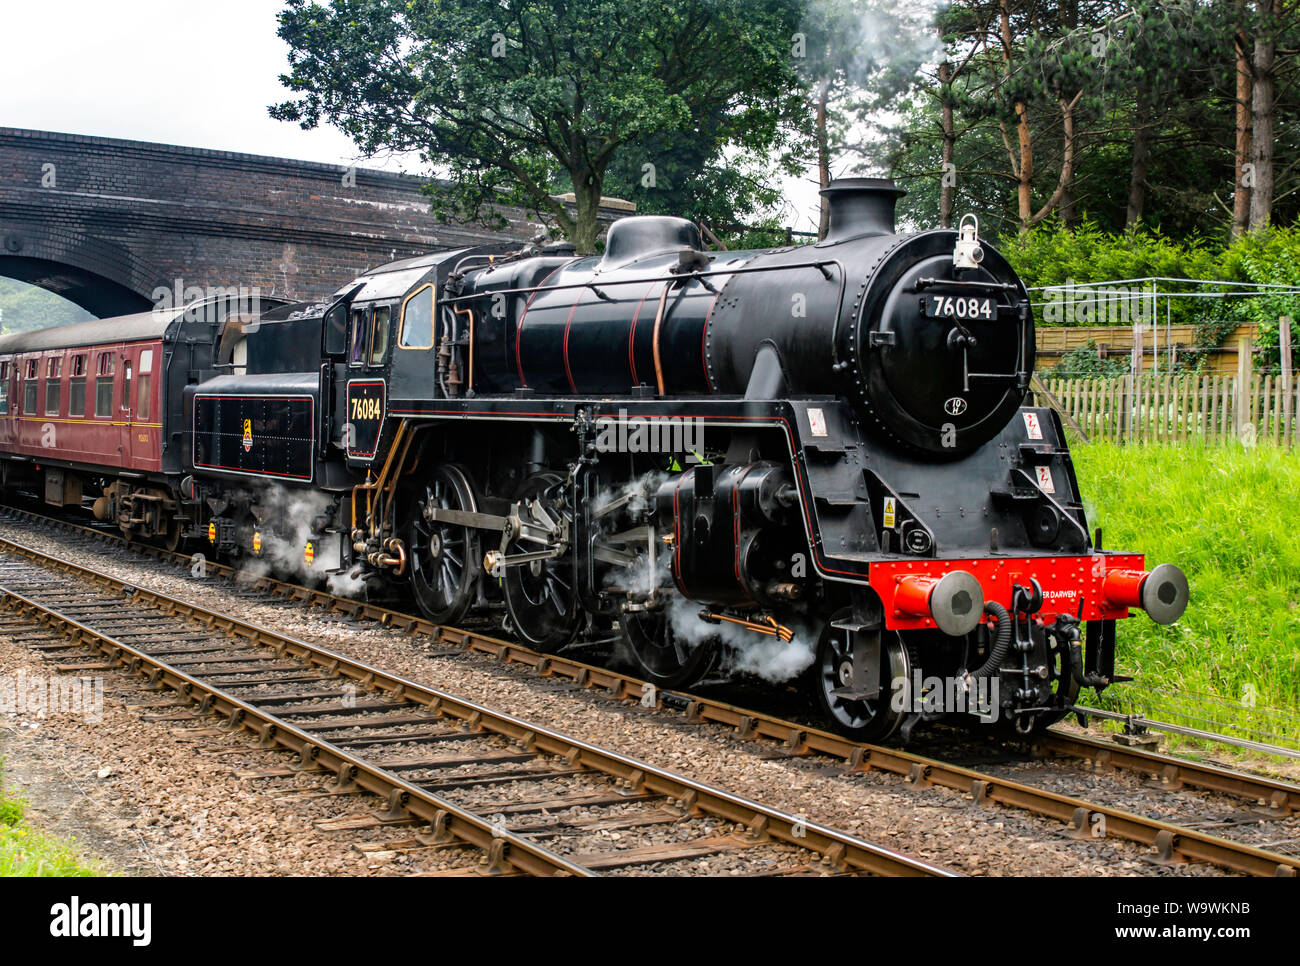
[105,221]
[102,277]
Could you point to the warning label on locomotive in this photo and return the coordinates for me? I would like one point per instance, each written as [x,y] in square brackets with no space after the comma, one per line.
[1045,481]
[365,417]
[1032,429]
[255,435]
[817,422]
[887,518]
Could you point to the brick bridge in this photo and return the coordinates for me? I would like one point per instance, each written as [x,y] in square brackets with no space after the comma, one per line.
[104,222]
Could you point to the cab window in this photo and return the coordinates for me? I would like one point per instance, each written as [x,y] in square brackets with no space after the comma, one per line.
[417,320]
[357,352]
[379,335]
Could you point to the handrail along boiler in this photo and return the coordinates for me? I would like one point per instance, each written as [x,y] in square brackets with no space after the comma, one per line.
[812,459]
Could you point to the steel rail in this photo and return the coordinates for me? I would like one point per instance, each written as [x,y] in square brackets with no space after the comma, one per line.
[1174,773]
[1173,842]
[764,823]
[446,818]
[1145,723]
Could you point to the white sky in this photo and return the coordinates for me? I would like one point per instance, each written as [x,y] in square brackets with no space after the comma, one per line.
[193,72]
[199,73]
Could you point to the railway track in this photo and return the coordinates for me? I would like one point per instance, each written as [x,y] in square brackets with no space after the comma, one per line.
[1171,842]
[475,776]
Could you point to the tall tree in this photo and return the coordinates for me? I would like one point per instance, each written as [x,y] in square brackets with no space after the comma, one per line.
[1262,105]
[1116,111]
[1241,149]
[948,151]
[1162,53]
[512,98]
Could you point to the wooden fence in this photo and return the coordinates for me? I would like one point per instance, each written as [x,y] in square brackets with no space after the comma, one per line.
[1245,408]
[1158,346]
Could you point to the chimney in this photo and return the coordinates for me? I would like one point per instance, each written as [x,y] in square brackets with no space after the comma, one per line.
[861,206]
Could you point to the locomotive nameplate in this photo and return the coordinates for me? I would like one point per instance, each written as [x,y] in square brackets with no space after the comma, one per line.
[960,307]
[255,435]
[365,419]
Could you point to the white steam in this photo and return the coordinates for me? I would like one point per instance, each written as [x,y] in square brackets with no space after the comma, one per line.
[641,578]
[767,657]
[870,55]
[285,517]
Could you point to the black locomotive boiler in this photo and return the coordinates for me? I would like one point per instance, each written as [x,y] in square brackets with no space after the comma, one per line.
[807,460]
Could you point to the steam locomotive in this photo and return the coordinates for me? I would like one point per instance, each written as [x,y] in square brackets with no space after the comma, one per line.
[810,460]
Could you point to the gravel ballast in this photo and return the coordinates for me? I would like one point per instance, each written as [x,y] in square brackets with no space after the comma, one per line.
[198,817]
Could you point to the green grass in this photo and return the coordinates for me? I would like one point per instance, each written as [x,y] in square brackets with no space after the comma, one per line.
[25,851]
[1230,518]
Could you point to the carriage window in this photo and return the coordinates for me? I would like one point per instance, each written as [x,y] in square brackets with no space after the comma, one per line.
[126,385]
[53,400]
[104,397]
[29,395]
[77,386]
[77,396]
[356,354]
[4,388]
[379,335]
[142,400]
[417,320]
[104,386]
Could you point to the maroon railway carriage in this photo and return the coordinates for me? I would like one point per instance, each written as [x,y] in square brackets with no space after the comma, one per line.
[86,410]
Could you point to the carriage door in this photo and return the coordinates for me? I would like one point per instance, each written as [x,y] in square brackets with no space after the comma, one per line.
[125,415]
[141,418]
[7,422]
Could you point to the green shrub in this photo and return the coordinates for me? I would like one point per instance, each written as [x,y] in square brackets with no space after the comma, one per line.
[1272,258]
[1054,255]
[1086,363]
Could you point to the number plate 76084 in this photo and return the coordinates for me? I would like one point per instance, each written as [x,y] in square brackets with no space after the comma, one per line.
[960,307]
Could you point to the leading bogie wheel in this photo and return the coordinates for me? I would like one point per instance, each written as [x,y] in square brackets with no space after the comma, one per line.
[861,718]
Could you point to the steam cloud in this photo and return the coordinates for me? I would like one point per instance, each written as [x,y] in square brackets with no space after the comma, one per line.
[769,658]
[281,510]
